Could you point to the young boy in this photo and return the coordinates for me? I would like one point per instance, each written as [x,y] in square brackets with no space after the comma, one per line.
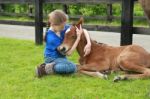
[54,61]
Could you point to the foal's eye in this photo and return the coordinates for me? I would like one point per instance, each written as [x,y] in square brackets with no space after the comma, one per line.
[74,37]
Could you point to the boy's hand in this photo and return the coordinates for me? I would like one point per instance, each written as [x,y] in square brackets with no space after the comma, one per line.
[79,31]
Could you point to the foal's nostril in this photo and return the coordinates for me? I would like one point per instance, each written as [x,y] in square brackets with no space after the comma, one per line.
[63,49]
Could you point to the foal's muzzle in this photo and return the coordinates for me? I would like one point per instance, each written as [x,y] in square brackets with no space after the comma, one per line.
[62,49]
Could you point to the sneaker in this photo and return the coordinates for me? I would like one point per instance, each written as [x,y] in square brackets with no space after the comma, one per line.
[40,70]
[49,68]
[44,69]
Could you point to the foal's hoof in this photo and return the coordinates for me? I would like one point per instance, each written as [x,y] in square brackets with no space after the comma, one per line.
[116,78]
[105,76]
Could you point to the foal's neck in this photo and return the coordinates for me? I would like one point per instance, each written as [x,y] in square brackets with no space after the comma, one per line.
[83,42]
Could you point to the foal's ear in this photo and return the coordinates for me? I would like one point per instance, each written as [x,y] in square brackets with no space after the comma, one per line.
[80,22]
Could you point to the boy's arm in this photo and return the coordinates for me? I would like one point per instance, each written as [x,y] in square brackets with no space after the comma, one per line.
[74,46]
[79,33]
[87,48]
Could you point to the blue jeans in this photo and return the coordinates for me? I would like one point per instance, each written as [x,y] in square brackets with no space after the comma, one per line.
[62,65]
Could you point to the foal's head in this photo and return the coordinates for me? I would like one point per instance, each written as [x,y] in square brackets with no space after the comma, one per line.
[70,38]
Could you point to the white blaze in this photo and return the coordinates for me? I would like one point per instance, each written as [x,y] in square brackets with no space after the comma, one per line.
[67,30]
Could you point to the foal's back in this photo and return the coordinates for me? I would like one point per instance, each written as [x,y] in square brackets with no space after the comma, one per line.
[109,57]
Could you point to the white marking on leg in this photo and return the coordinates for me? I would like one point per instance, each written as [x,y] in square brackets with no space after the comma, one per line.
[101,75]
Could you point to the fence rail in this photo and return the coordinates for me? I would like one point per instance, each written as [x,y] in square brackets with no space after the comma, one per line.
[111,17]
[127,30]
[117,29]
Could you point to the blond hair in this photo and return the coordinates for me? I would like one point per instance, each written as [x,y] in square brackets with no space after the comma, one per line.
[57,17]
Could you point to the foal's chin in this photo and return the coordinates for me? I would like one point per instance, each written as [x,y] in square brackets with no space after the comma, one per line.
[63,49]
[63,53]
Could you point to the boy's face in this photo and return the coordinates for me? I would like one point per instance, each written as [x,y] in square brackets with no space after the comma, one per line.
[59,27]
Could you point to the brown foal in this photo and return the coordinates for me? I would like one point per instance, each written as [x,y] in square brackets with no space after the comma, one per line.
[104,58]
[108,58]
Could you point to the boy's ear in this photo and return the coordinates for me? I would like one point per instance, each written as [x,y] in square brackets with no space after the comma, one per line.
[80,22]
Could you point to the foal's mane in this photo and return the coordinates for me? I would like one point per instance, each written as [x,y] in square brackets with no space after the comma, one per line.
[83,38]
[97,42]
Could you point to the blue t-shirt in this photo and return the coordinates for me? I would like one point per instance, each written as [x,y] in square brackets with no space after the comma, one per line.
[52,42]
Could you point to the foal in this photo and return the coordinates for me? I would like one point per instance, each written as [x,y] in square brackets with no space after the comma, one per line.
[146,7]
[108,58]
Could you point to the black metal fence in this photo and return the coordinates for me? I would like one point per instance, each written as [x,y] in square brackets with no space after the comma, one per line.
[127,30]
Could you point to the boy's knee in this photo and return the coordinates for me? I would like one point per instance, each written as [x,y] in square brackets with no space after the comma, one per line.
[65,68]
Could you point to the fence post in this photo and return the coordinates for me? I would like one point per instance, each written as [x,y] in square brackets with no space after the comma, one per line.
[38,22]
[127,22]
[109,12]
[65,8]
[1,7]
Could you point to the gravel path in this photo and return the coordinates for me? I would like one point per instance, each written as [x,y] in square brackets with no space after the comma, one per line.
[28,33]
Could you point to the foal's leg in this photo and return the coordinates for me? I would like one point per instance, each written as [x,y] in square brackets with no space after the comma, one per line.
[129,66]
[91,70]
[94,74]
[93,67]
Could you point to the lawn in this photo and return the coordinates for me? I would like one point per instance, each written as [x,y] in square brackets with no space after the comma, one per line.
[18,59]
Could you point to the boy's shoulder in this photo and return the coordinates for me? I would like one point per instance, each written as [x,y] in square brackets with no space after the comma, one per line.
[67,26]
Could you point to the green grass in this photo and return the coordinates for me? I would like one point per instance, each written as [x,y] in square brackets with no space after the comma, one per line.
[16,18]
[18,59]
